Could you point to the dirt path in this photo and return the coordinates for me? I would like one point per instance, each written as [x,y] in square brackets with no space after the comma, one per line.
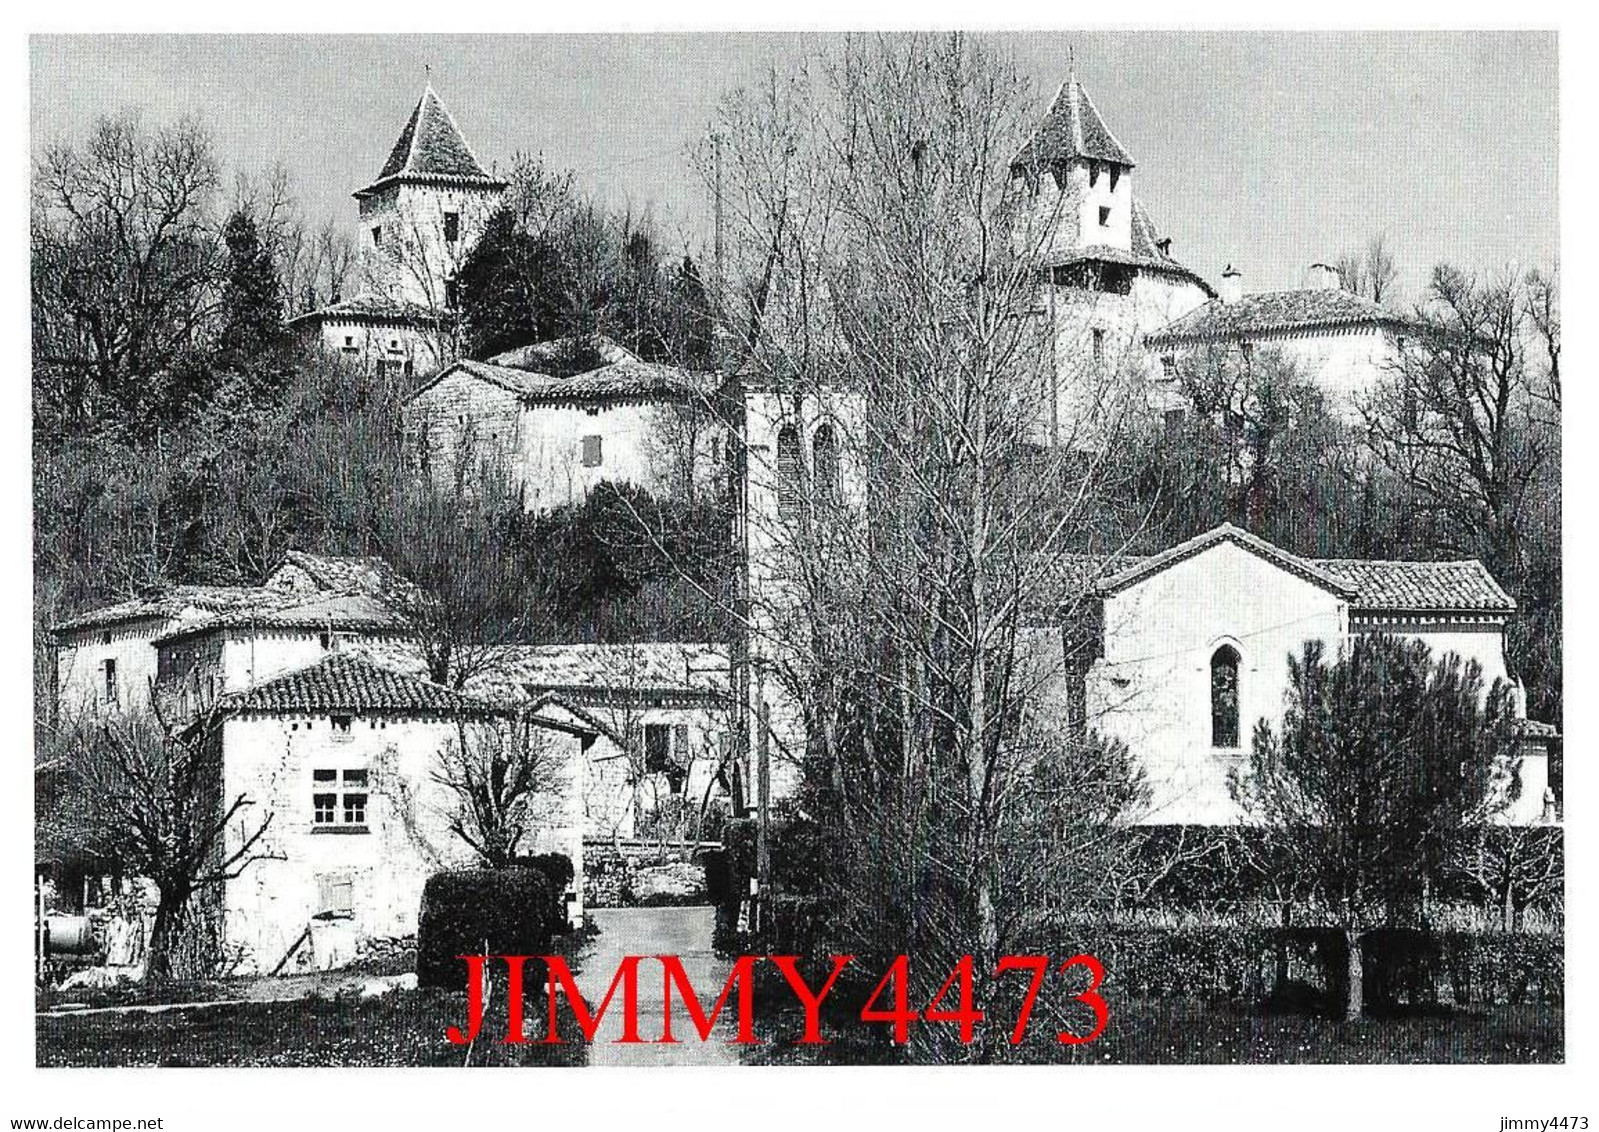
[683,932]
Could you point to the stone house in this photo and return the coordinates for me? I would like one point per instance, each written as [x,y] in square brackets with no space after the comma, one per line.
[342,754]
[659,713]
[561,417]
[1191,645]
[1342,343]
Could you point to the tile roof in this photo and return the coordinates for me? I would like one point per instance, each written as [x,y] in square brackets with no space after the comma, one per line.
[563,357]
[335,611]
[1156,261]
[617,381]
[520,671]
[1420,587]
[341,682]
[1072,130]
[373,308]
[165,603]
[346,573]
[1273,311]
[431,147]
[1370,586]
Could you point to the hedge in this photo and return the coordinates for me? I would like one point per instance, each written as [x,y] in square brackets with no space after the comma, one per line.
[505,911]
[1243,963]
[557,869]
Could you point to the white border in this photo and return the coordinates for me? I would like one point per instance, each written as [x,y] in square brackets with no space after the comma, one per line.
[1381,1097]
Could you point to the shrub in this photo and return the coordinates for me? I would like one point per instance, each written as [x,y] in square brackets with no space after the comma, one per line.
[557,869]
[505,911]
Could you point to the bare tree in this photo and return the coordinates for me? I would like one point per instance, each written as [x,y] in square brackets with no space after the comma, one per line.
[146,793]
[1456,420]
[1371,272]
[125,252]
[458,577]
[891,255]
[504,775]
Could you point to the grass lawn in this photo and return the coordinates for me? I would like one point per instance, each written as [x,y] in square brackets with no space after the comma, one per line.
[1187,1032]
[404,1028]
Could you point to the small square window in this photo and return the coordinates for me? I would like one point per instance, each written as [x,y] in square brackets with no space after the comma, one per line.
[355,809]
[1104,216]
[335,897]
[323,808]
[593,454]
[355,778]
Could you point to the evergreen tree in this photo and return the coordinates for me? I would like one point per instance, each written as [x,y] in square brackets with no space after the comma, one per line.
[252,295]
[509,289]
[1383,757]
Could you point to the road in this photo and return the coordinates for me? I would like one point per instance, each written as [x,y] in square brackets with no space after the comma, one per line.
[683,932]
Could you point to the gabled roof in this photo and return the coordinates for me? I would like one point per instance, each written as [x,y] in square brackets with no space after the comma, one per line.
[1274,311]
[1370,586]
[345,573]
[337,612]
[1072,130]
[1155,563]
[627,380]
[1420,587]
[431,147]
[575,672]
[164,603]
[562,357]
[344,683]
[369,308]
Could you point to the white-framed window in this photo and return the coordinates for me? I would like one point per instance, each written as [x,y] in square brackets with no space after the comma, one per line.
[341,726]
[339,798]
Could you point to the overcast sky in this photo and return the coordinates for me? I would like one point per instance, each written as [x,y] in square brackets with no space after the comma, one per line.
[1266,150]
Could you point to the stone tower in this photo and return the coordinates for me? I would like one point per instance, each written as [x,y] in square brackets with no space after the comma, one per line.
[1107,275]
[425,210]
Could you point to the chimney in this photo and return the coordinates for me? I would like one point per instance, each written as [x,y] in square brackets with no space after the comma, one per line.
[1323,277]
[1232,285]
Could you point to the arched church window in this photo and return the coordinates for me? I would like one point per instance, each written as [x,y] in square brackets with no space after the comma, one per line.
[1224,698]
[824,458]
[788,470]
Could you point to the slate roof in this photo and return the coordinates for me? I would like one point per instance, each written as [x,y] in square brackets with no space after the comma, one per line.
[340,612]
[374,308]
[431,147]
[1072,130]
[618,381]
[1370,586]
[164,603]
[341,682]
[1273,311]
[1421,587]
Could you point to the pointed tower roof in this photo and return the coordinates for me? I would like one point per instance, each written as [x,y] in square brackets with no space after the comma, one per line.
[431,148]
[1072,130]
